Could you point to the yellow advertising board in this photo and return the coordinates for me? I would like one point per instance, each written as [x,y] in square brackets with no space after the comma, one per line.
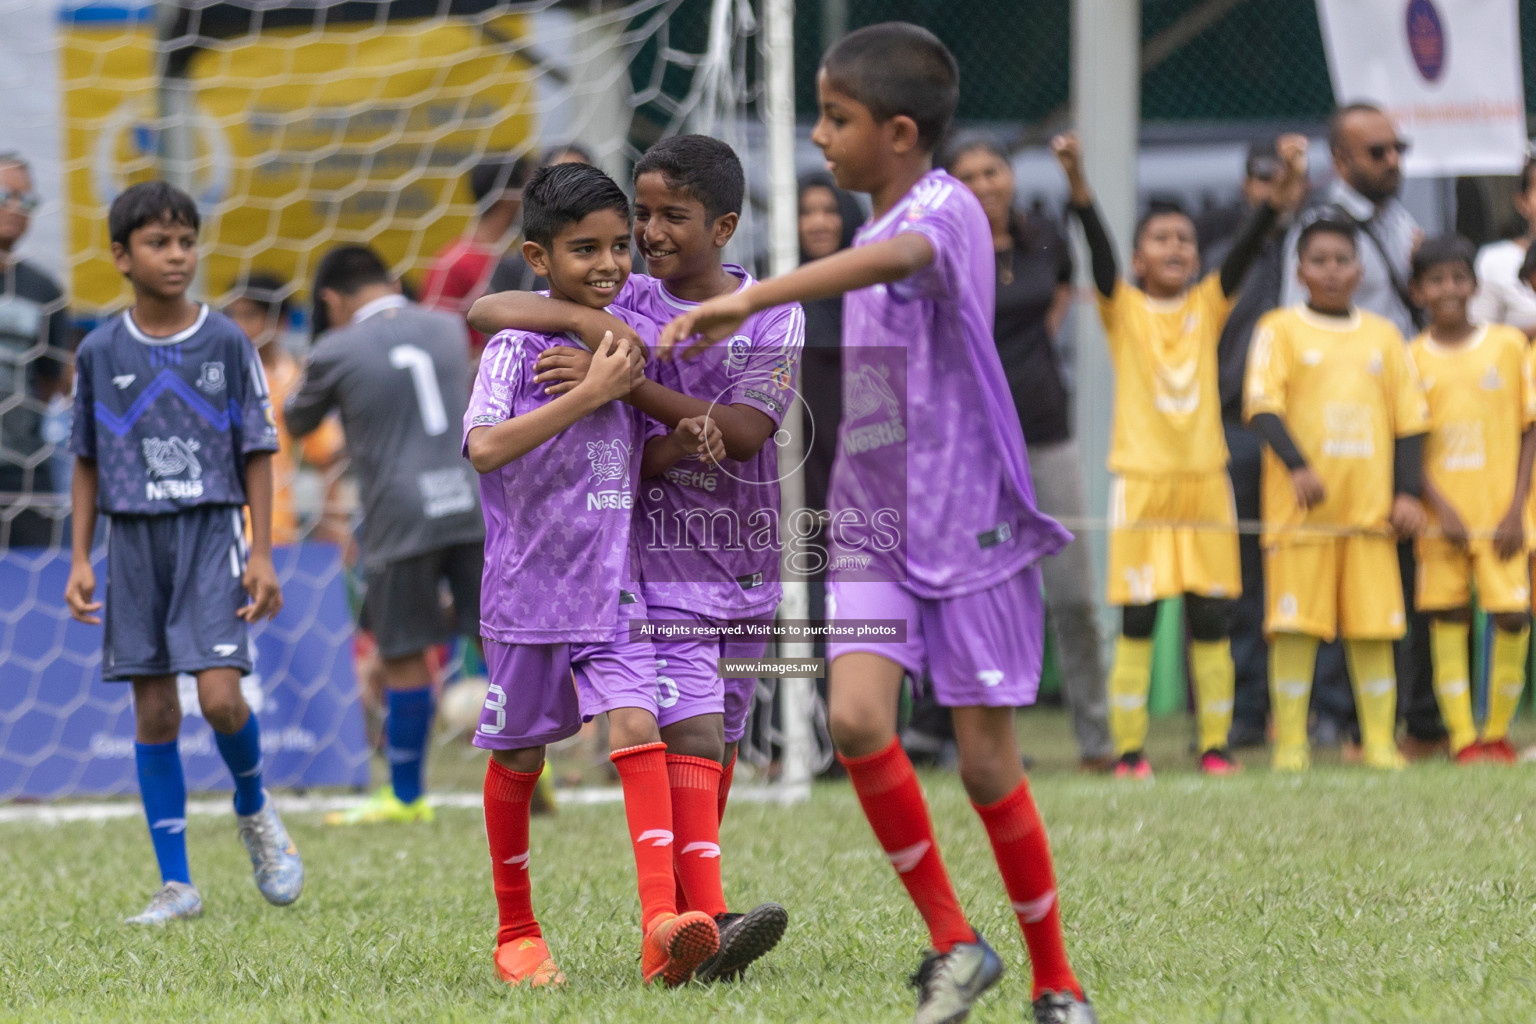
[295,140]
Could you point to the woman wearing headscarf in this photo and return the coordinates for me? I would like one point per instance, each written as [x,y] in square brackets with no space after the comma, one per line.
[1034,292]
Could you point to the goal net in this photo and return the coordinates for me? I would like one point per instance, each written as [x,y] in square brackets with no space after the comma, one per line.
[295,126]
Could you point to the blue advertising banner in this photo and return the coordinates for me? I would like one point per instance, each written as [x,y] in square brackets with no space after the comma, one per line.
[66,733]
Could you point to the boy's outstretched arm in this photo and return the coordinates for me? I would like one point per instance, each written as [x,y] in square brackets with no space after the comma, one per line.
[1509,537]
[80,591]
[260,579]
[743,429]
[491,447]
[529,311]
[1101,252]
[1288,193]
[894,259]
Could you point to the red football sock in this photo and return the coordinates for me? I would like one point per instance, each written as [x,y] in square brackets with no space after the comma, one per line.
[1024,857]
[648,809]
[695,787]
[893,802]
[727,773]
[507,794]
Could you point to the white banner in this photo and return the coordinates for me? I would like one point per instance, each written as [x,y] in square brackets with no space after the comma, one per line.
[1448,71]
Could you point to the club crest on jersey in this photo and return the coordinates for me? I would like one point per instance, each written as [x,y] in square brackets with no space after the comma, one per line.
[1374,366]
[211,381]
[783,373]
[1491,380]
[736,352]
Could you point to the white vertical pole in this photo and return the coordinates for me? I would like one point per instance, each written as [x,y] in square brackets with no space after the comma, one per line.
[1106,106]
[784,255]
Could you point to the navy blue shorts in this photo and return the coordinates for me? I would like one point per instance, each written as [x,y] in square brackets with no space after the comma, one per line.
[173,588]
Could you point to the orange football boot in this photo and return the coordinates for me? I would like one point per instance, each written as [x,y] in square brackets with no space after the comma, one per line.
[676,945]
[527,962]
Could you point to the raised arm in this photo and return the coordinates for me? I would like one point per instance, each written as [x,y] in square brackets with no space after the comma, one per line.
[1101,252]
[894,259]
[1287,195]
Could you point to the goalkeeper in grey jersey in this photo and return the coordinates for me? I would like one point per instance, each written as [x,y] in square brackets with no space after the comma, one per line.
[399,374]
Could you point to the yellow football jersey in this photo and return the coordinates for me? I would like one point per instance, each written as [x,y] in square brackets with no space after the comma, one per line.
[1480,401]
[1346,390]
[1167,407]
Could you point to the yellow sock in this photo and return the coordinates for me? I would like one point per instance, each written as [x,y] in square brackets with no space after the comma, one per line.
[1375,681]
[1448,649]
[1292,659]
[1505,681]
[1210,662]
[1129,681]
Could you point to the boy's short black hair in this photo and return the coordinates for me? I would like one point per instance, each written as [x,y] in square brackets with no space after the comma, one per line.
[268,291]
[348,269]
[150,202]
[705,169]
[898,69]
[1155,209]
[1432,252]
[496,176]
[1328,222]
[562,194]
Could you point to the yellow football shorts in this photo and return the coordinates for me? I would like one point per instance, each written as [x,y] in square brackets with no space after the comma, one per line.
[1198,556]
[1339,586]
[1446,573]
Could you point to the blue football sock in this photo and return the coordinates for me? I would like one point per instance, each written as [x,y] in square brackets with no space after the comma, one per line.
[241,751]
[165,806]
[410,716]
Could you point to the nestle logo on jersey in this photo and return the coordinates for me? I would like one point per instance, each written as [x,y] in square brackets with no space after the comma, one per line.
[700,479]
[169,457]
[600,500]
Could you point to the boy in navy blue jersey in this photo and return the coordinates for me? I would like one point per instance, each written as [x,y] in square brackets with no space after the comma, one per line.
[173,434]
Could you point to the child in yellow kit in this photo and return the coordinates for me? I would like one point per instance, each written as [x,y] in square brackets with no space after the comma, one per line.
[1173,520]
[1477,468]
[1332,392]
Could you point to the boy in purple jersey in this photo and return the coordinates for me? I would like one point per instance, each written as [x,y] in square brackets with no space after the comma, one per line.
[957,561]
[173,434]
[707,532]
[559,588]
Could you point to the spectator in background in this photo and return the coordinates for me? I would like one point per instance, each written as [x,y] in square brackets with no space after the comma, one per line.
[828,218]
[260,307]
[1260,293]
[461,273]
[1502,297]
[1034,292]
[34,353]
[1368,177]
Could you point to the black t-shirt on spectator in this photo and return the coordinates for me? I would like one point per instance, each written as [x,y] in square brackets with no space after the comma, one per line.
[34,340]
[1028,276]
[821,386]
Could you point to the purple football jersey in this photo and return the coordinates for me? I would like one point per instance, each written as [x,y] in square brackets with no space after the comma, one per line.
[708,535]
[931,484]
[558,544]
[170,421]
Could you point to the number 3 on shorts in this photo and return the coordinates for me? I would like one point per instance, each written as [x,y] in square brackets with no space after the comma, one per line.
[496,700]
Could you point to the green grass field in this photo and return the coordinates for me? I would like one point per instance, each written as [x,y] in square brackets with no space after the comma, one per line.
[1343,896]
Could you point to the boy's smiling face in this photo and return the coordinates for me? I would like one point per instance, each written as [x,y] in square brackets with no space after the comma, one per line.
[1444,289]
[673,230]
[160,258]
[588,261]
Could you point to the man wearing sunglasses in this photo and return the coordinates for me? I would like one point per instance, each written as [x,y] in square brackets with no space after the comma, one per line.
[34,349]
[1367,165]
[1368,175]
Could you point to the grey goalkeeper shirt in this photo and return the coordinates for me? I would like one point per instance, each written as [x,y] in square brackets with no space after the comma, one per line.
[399,374]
